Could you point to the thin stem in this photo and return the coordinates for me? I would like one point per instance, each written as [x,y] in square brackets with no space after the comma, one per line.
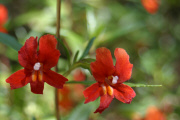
[81,82]
[56,68]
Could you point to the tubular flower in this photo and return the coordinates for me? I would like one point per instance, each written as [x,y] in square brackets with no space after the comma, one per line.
[150,5]
[37,65]
[110,78]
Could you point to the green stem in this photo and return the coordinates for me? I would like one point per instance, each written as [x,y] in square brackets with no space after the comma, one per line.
[81,82]
[56,68]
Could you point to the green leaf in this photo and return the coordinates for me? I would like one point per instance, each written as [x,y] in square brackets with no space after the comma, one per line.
[112,36]
[65,49]
[81,82]
[87,60]
[82,111]
[75,57]
[141,85]
[10,41]
[87,48]
[76,65]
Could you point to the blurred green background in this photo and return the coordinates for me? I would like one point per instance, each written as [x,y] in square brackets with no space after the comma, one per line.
[152,42]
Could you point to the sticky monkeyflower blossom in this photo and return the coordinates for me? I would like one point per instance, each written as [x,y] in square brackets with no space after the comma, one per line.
[3,18]
[110,78]
[153,113]
[65,101]
[37,65]
[78,75]
[150,5]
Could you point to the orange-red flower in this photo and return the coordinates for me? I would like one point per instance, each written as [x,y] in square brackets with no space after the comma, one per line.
[3,14]
[153,113]
[65,101]
[3,17]
[110,78]
[78,76]
[37,65]
[150,5]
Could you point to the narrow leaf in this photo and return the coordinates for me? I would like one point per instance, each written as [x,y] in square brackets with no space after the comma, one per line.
[65,49]
[75,57]
[87,48]
[87,60]
[10,41]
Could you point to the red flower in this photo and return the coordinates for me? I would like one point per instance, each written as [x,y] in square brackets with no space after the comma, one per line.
[78,75]
[110,78]
[3,14]
[65,101]
[150,5]
[3,17]
[37,65]
[153,113]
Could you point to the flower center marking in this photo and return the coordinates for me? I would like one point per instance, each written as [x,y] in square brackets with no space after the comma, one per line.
[110,90]
[37,74]
[115,79]
[107,89]
[37,66]
[104,89]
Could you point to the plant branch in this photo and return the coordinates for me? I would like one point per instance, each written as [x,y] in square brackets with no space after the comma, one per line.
[56,68]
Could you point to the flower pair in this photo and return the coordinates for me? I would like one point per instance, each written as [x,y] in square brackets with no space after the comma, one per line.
[110,78]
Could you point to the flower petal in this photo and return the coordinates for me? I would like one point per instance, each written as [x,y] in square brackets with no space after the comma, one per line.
[28,53]
[37,87]
[18,79]
[92,93]
[48,54]
[103,66]
[124,93]
[123,66]
[104,103]
[54,79]
[47,41]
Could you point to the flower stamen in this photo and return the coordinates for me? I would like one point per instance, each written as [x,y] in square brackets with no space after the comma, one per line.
[37,66]
[115,79]
[104,89]
[110,90]
[34,76]
[40,75]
